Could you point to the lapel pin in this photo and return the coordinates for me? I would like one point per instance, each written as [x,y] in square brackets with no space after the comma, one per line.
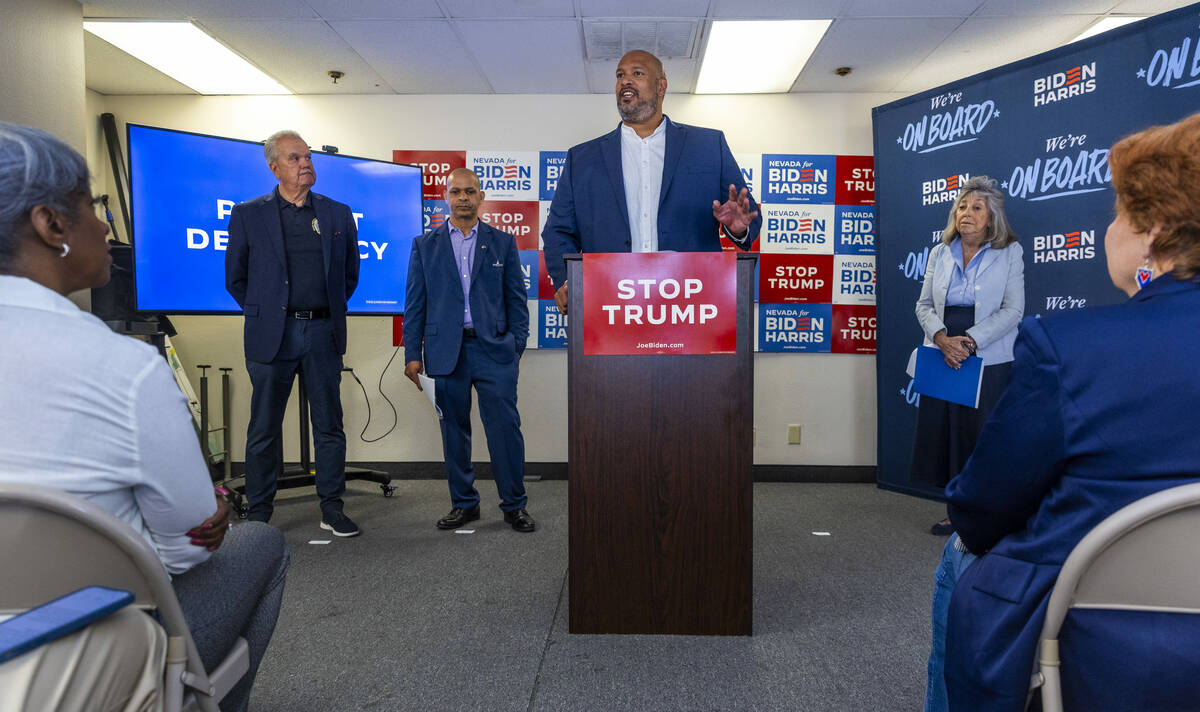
[316,226]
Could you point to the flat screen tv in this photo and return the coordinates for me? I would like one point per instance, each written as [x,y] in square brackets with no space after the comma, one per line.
[184,185]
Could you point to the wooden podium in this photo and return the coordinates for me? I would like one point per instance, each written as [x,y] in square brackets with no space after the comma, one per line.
[660,498]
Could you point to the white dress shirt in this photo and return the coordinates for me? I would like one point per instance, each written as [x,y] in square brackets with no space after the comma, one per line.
[98,414]
[642,167]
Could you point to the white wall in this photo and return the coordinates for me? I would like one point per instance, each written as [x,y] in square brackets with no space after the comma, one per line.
[41,66]
[831,396]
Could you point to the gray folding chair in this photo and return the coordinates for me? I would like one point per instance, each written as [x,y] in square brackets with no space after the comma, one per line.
[56,543]
[1144,557]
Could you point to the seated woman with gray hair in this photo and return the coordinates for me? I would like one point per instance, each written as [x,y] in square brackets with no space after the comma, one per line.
[99,415]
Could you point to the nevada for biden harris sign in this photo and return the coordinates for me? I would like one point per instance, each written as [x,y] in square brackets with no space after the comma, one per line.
[660,303]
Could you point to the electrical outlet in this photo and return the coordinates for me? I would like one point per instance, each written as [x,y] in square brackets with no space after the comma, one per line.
[793,434]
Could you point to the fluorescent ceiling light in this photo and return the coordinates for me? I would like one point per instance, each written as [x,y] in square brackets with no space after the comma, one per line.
[1105,24]
[188,55]
[757,56]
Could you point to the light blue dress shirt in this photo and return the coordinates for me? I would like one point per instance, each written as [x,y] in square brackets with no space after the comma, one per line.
[464,260]
[961,292]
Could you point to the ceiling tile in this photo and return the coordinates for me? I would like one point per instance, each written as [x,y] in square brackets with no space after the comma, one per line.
[509,8]
[974,48]
[299,53]
[376,9]
[911,8]
[109,70]
[1006,8]
[878,66]
[777,9]
[266,9]
[415,57]
[514,66]
[412,46]
[641,8]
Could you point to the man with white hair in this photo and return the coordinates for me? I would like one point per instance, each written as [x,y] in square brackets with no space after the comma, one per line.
[292,262]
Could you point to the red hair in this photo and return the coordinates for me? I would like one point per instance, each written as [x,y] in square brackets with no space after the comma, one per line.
[1156,173]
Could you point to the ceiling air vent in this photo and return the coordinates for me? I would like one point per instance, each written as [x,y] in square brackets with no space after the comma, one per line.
[607,40]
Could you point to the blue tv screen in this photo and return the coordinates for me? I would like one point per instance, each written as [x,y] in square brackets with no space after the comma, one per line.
[184,185]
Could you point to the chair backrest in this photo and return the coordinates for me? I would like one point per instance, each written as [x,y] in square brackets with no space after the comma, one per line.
[57,542]
[1145,556]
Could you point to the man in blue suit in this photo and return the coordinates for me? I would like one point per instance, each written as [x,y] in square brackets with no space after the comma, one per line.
[651,185]
[465,305]
[291,263]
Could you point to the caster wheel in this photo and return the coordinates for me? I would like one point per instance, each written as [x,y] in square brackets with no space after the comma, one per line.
[388,490]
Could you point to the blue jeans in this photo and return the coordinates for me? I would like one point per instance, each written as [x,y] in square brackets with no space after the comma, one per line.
[949,569]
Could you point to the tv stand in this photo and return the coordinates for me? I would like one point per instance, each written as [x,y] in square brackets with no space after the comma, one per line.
[302,475]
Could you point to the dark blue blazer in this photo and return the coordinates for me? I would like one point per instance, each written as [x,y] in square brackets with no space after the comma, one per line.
[256,269]
[589,213]
[433,304]
[1100,410]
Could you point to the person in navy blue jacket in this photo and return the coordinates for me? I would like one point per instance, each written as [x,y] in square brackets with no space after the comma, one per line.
[466,322]
[291,264]
[1100,411]
[651,185]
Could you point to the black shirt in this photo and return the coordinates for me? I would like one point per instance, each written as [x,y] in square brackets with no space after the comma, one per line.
[305,261]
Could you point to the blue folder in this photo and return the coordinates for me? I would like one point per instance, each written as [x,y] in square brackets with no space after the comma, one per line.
[53,620]
[936,379]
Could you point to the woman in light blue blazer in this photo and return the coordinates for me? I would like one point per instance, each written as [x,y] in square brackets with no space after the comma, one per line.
[971,302]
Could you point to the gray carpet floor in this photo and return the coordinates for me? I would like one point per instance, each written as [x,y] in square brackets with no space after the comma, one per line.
[407,617]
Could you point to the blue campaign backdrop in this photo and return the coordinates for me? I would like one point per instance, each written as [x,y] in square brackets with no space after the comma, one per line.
[184,186]
[1042,128]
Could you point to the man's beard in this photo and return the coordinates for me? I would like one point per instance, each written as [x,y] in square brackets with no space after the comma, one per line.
[640,111]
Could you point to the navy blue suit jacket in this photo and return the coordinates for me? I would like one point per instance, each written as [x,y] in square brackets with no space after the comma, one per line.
[256,269]
[589,212]
[1100,410]
[433,304]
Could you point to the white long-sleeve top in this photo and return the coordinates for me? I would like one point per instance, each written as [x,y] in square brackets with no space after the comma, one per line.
[98,414]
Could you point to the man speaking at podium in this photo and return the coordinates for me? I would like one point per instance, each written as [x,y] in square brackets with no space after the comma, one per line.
[651,185]
[292,263]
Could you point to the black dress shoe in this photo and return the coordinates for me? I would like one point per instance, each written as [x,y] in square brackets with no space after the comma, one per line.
[520,520]
[458,517]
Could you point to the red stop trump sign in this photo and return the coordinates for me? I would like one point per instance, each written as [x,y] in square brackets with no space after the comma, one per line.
[660,303]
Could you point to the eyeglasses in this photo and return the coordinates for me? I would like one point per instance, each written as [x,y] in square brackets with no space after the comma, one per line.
[99,206]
